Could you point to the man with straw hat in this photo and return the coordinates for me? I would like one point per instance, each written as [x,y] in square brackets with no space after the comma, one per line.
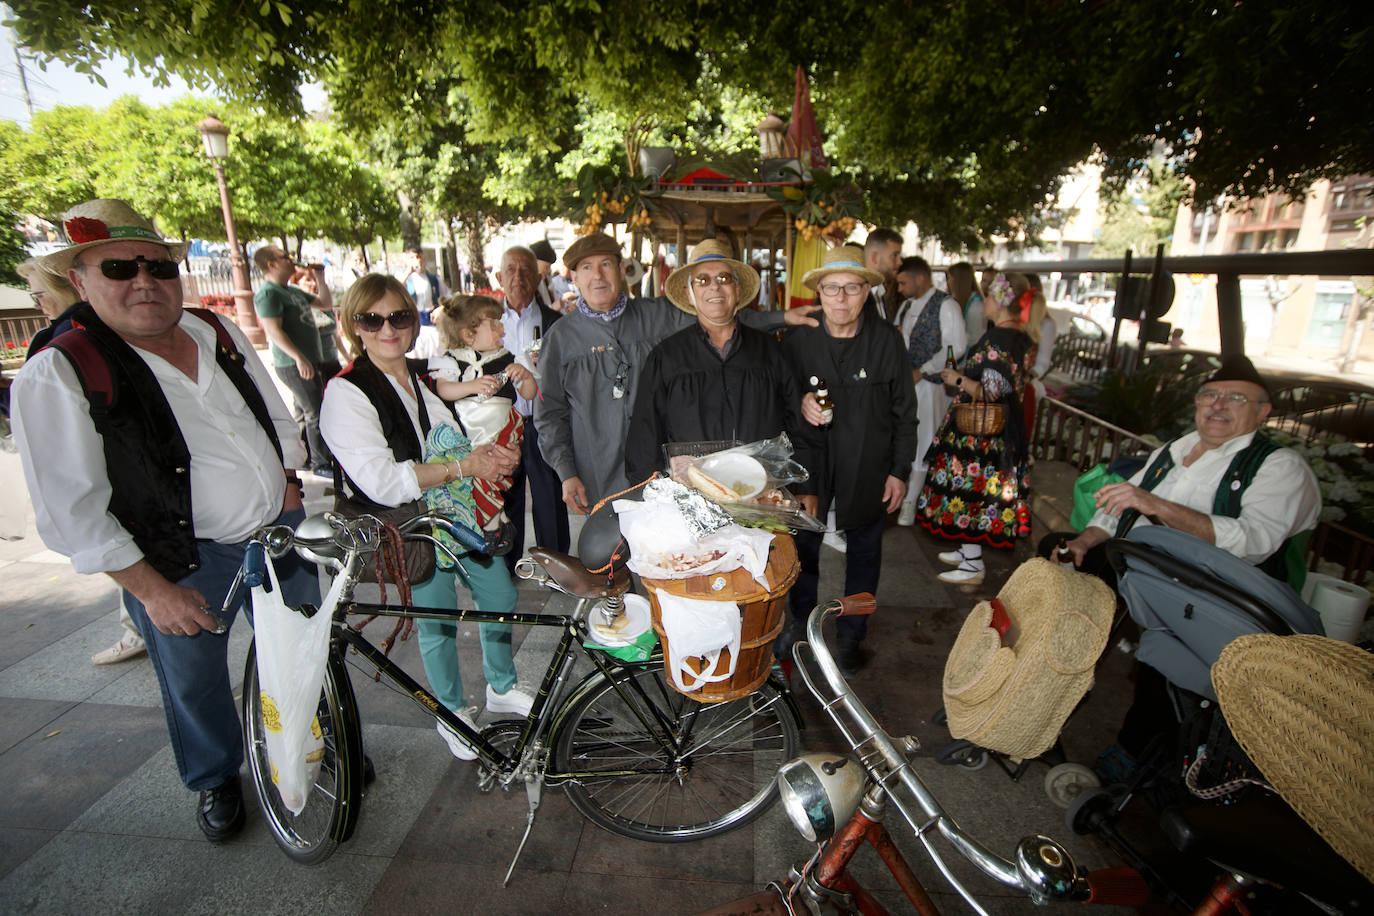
[715,380]
[859,462]
[154,443]
[589,370]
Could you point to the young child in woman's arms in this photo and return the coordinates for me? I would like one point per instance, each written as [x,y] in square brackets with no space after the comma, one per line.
[482,377]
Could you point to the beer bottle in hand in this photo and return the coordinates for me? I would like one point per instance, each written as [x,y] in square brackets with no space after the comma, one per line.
[950,363]
[823,400]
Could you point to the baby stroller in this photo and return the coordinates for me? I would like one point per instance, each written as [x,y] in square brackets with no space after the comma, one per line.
[1192,599]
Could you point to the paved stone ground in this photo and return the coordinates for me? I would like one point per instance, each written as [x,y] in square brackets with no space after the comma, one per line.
[95,820]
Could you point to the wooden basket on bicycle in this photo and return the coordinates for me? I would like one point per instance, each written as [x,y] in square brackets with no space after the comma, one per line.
[763,615]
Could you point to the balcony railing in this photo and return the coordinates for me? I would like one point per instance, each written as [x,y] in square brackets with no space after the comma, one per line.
[1064,433]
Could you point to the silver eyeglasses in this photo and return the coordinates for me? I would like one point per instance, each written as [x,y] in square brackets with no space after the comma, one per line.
[726,279]
[1234,398]
[834,289]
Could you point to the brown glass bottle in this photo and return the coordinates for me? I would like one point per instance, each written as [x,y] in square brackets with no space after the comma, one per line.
[951,363]
[824,401]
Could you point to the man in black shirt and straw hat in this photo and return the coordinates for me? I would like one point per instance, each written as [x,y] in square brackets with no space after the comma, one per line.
[716,380]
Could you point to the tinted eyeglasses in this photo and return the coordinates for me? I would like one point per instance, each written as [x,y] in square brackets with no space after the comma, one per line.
[127,268]
[372,322]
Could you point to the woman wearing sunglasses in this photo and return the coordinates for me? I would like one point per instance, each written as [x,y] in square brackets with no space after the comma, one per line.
[376,416]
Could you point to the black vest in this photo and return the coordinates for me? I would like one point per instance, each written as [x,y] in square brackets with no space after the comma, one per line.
[1226,502]
[146,458]
[397,429]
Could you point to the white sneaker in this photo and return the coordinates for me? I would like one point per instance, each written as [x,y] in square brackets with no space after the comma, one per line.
[130,645]
[952,557]
[966,574]
[514,700]
[460,748]
[907,516]
[835,541]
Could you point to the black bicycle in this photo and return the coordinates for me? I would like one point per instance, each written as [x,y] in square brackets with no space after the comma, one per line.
[635,756]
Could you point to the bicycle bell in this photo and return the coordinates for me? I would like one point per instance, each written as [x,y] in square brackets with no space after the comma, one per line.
[316,526]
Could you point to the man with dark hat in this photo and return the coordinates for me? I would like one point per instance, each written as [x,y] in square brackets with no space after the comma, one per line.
[1225,483]
[589,370]
[715,380]
[543,260]
[154,444]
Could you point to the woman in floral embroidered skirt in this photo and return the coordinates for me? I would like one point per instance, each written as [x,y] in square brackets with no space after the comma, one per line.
[977,483]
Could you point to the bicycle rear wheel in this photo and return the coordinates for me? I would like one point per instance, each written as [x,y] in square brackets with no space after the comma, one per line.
[331,811]
[649,763]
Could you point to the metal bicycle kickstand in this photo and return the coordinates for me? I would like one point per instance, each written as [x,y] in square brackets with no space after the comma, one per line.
[534,788]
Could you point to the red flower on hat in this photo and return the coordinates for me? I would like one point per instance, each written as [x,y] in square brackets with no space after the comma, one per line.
[82,229]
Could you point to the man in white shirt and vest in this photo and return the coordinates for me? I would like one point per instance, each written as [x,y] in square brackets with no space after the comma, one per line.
[1226,483]
[931,322]
[526,320]
[154,444]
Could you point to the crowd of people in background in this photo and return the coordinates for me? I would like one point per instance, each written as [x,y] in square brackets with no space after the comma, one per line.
[899,397]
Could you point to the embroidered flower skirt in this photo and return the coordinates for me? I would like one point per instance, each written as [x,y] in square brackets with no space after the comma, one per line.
[969,495]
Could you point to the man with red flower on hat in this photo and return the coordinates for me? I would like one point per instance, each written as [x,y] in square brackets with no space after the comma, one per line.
[154,444]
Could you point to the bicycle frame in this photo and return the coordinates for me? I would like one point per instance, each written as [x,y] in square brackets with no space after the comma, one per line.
[537,724]
[1041,867]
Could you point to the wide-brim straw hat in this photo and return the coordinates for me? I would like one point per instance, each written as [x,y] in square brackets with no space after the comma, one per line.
[846,258]
[102,222]
[716,251]
[1302,707]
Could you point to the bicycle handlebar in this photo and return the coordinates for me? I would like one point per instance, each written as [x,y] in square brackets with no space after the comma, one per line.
[1041,867]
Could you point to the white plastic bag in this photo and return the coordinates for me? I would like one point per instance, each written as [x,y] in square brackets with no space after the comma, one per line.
[662,545]
[698,629]
[292,652]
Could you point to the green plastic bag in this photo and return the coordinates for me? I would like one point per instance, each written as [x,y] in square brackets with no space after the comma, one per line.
[637,651]
[1084,489]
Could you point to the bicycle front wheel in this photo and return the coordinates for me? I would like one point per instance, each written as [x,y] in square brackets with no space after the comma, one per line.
[646,762]
[331,810]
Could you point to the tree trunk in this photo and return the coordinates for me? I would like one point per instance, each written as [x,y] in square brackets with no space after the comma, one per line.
[1361,308]
[285,242]
[300,243]
[410,226]
[476,242]
[449,259]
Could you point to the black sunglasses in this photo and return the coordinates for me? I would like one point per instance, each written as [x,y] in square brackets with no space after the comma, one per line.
[127,268]
[372,322]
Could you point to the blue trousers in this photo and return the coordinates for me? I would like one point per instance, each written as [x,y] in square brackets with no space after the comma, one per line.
[193,671]
[546,500]
[492,590]
[863,560]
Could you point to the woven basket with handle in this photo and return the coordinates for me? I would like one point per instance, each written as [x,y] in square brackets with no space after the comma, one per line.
[980,418]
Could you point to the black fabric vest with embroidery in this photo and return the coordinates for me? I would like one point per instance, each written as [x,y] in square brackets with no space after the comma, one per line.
[397,429]
[925,334]
[146,458]
[1226,502]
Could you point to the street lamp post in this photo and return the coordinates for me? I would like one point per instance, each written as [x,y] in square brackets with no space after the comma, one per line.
[216,137]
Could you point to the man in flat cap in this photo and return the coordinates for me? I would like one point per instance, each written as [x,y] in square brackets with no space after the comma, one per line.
[589,369]
[1225,483]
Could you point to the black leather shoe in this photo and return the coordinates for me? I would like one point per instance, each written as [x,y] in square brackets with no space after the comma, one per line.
[220,815]
[501,541]
[848,657]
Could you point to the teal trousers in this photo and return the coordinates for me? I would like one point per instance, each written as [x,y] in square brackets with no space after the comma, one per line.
[492,590]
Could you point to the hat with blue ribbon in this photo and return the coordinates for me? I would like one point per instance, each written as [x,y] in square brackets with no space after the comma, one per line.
[844,259]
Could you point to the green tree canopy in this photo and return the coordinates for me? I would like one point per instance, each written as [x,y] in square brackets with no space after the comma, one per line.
[962,115]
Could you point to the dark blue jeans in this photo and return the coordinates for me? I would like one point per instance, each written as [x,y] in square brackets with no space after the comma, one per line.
[193,671]
[863,561]
[546,500]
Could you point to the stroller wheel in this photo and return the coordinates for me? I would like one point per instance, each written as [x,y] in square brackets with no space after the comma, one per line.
[963,754]
[1066,782]
[1090,810]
